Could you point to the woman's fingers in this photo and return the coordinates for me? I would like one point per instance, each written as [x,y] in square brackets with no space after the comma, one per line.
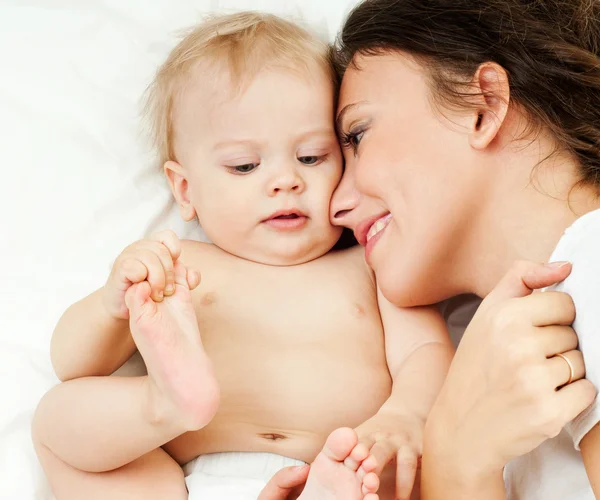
[540,276]
[573,398]
[282,484]
[555,339]
[524,277]
[567,369]
[547,308]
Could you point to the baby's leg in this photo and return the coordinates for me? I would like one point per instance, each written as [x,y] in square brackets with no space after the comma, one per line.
[97,424]
[154,476]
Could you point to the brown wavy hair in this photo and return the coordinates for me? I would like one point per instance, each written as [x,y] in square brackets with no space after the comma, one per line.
[550,50]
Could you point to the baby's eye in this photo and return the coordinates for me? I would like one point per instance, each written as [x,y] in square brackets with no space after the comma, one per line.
[310,160]
[244,169]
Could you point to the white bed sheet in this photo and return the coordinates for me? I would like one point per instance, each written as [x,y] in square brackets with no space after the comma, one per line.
[78,183]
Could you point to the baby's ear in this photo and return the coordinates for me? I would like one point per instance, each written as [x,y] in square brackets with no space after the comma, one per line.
[180,188]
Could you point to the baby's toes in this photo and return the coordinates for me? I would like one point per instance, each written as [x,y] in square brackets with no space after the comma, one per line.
[357,455]
[370,483]
[368,465]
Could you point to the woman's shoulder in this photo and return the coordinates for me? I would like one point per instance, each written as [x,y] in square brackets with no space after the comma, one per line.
[580,241]
[580,245]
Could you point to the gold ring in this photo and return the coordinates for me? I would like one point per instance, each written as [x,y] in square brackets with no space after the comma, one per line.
[571,369]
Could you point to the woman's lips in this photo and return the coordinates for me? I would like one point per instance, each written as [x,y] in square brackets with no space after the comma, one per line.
[365,227]
[376,232]
[378,226]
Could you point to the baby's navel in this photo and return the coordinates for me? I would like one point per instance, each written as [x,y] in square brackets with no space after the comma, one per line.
[272,436]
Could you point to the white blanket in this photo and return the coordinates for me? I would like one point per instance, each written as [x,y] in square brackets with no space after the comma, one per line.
[78,182]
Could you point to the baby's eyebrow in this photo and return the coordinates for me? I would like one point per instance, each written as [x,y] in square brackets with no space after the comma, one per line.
[234,142]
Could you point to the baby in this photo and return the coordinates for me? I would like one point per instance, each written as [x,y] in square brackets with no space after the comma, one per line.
[264,342]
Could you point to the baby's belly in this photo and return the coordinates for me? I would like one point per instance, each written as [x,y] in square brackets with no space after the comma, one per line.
[287,399]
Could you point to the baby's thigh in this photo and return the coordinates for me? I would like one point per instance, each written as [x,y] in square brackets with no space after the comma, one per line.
[154,476]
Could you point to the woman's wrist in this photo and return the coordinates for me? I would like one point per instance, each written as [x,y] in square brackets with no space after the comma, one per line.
[454,468]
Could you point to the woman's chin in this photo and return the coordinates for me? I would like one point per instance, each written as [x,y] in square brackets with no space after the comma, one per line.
[405,284]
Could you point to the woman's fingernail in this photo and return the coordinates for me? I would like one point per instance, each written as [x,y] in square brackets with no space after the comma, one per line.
[557,265]
[169,290]
[298,468]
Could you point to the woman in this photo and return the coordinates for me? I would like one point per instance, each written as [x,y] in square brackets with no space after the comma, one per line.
[471,131]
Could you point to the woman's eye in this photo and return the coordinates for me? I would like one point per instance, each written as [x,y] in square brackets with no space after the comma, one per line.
[309,160]
[244,169]
[352,139]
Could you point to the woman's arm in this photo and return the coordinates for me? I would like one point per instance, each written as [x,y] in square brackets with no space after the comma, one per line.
[583,285]
[590,451]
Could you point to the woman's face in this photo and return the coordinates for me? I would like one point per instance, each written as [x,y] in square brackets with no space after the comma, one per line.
[411,188]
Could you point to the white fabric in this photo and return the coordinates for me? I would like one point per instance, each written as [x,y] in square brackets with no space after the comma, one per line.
[555,470]
[78,182]
[234,475]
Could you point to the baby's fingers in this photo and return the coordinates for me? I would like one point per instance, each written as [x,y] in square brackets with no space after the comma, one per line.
[167,262]
[383,452]
[193,278]
[170,240]
[406,471]
[156,273]
[132,270]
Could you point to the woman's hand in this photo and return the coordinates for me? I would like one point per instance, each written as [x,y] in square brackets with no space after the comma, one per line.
[506,391]
[285,484]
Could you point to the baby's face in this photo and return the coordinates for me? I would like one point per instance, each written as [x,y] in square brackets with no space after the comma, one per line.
[261,166]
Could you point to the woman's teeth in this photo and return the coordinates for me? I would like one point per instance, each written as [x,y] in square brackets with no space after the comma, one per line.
[378,226]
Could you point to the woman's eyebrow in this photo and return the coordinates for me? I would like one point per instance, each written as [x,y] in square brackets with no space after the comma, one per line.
[343,112]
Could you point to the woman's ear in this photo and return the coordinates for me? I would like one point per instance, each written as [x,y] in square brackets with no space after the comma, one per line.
[493,93]
[180,188]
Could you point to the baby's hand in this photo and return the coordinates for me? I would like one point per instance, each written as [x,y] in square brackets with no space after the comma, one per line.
[393,436]
[149,260]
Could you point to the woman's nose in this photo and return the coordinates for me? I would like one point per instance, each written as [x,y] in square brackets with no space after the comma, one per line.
[344,200]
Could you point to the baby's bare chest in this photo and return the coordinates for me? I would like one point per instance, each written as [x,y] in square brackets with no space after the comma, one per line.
[289,306]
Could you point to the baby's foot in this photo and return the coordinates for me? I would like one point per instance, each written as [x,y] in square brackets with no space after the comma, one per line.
[333,474]
[182,385]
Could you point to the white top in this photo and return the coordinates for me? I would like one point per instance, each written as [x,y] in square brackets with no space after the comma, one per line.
[555,470]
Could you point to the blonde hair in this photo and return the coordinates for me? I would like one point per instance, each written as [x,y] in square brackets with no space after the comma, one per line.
[243,43]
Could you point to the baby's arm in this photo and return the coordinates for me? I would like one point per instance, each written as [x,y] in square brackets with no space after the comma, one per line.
[92,337]
[89,341]
[418,352]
